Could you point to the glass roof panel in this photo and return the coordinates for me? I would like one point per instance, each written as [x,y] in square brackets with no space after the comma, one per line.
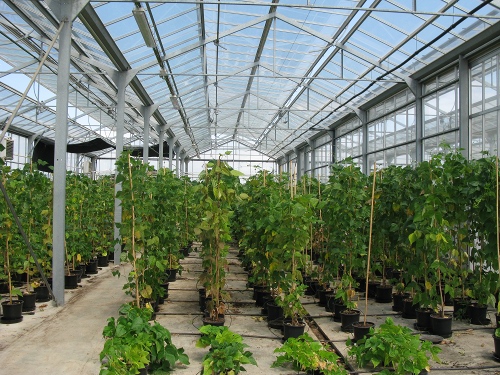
[255,70]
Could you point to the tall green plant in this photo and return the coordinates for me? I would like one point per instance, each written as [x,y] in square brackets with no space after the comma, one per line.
[347,217]
[218,191]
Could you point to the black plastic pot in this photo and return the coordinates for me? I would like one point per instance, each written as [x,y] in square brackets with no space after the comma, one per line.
[330,301]
[409,309]
[261,296]
[361,330]
[4,287]
[496,341]
[423,319]
[312,286]
[397,301]
[322,297]
[12,312]
[267,299]
[91,267]
[257,289]
[102,261]
[82,268]
[29,300]
[78,274]
[209,322]
[165,288]
[338,307]
[203,302]
[42,293]
[372,289]
[441,326]
[477,314]
[290,330]
[361,281]
[460,308]
[348,318]
[171,274]
[70,281]
[383,294]
[274,311]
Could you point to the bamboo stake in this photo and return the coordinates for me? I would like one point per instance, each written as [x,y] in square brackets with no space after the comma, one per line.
[136,275]
[370,239]
[498,223]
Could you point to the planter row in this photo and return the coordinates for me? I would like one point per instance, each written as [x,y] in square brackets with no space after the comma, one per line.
[12,312]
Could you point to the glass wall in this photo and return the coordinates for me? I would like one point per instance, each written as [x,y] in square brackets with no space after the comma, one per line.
[349,140]
[484,106]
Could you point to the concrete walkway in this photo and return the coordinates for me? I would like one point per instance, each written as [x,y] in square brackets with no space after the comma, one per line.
[67,340]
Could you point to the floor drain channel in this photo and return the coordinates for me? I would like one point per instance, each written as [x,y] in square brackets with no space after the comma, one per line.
[322,337]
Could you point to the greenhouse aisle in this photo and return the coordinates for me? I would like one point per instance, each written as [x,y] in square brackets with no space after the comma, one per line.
[64,341]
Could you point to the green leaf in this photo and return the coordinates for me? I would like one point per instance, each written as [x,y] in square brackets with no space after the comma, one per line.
[236,173]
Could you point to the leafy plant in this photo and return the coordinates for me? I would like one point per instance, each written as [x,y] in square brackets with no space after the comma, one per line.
[394,346]
[227,353]
[306,354]
[7,234]
[132,343]
[347,217]
[290,302]
[218,192]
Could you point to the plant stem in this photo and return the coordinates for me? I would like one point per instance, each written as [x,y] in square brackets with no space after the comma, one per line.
[370,239]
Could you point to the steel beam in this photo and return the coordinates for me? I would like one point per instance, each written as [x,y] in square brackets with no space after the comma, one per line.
[66,13]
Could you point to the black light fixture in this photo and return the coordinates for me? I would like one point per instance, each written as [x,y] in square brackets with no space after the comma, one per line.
[142,22]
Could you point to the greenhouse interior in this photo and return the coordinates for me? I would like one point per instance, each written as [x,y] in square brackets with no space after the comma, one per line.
[261,186]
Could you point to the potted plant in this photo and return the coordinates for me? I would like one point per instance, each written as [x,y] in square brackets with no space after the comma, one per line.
[347,219]
[433,240]
[361,329]
[217,192]
[496,341]
[132,343]
[227,353]
[394,348]
[12,308]
[293,215]
[306,354]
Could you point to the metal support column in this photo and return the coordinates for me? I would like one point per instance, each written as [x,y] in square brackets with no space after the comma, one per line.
[171,146]
[66,12]
[161,139]
[121,79]
[147,112]
[31,146]
[93,167]
[177,156]
[419,123]
[364,125]
[463,92]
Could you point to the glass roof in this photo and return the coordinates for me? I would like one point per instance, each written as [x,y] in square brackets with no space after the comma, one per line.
[267,74]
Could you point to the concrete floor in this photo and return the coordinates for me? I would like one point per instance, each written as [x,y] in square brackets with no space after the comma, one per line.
[68,340]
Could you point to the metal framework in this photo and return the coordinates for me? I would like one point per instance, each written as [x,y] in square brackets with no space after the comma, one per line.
[268,74]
